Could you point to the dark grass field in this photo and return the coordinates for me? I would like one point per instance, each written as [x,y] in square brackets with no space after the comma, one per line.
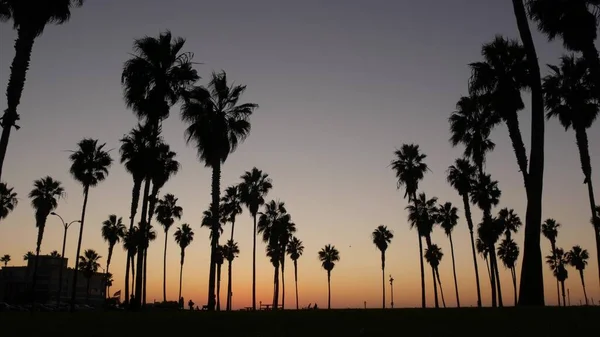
[534,322]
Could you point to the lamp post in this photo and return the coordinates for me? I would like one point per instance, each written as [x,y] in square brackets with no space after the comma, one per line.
[60,272]
[392,292]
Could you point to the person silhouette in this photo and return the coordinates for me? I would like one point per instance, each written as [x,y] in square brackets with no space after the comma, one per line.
[315,307]
[191,304]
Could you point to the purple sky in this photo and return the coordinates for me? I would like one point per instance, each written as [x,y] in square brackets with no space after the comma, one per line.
[340,85]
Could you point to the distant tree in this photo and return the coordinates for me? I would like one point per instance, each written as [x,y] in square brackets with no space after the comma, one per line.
[113,230]
[295,249]
[89,264]
[557,263]
[447,217]
[54,253]
[550,231]
[433,255]
[8,200]
[328,256]
[232,205]
[29,256]
[166,213]
[510,221]
[130,245]
[230,252]
[184,235]
[508,252]
[5,259]
[382,237]
[482,249]
[577,257]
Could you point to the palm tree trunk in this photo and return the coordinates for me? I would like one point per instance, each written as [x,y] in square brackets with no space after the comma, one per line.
[181,272]
[296,281]
[586,166]
[232,228]
[532,280]
[141,246]
[583,285]
[437,272]
[514,134]
[275,288]
[329,289]
[423,302]
[229,285]
[497,272]
[435,291]
[218,287]
[14,90]
[492,276]
[254,264]
[470,225]
[132,274]
[135,198]
[144,278]
[110,252]
[454,270]
[562,286]
[215,194]
[41,224]
[86,190]
[383,278]
[283,281]
[514,280]
[165,269]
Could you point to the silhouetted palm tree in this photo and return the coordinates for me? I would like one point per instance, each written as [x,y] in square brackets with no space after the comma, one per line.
[295,249]
[216,124]
[254,188]
[328,256]
[163,167]
[230,252]
[5,259]
[461,176]
[89,166]
[8,200]
[510,221]
[89,264]
[508,252]
[232,205]
[44,199]
[433,255]
[219,259]
[577,258]
[113,230]
[448,219]
[382,237]
[572,99]
[550,232]
[482,249]
[29,20]
[54,253]
[184,235]
[130,245]
[409,168]
[557,263]
[166,213]
[286,230]
[29,256]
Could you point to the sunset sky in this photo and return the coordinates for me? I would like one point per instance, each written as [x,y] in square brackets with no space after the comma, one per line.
[340,85]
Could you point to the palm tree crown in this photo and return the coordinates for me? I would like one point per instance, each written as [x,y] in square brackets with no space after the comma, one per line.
[232,203]
[486,193]
[508,252]
[462,176]
[35,16]
[230,250]
[409,168]
[90,162]
[113,229]
[8,200]
[447,217]
[167,211]
[550,230]
[557,263]
[328,256]
[295,248]
[254,187]
[423,214]
[89,263]
[184,235]
[577,257]
[510,221]
[434,255]
[45,195]
[382,237]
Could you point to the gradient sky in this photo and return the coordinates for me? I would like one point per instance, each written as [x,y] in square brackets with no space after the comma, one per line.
[340,85]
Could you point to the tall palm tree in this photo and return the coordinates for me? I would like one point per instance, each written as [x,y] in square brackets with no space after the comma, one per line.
[166,213]
[295,249]
[557,262]
[447,217]
[254,188]
[219,259]
[470,125]
[5,259]
[184,235]
[232,205]
[149,236]
[510,221]
[382,237]
[89,166]
[433,255]
[328,256]
[482,249]
[230,252]
[550,232]
[508,252]
[29,20]
[409,168]
[113,230]
[8,200]
[154,80]
[572,99]
[163,167]
[499,78]
[577,258]
[44,199]
[217,124]
[89,264]
[461,176]
[130,246]
[286,231]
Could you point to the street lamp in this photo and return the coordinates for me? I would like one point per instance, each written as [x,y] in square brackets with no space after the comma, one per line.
[392,288]
[60,272]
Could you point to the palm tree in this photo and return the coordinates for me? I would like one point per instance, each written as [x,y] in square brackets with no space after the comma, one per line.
[409,168]
[471,125]
[230,252]
[382,237]
[113,230]
[163,167]
[482,249]
[29,20]
[166,213]
[89,264]
[461,176]
[217,124]
[577,257]
[89,166]
[29,256]
[44,199]
[447,217]
[219,259]
[510,221]
[154,80]
[5,259]
[328,256]
[550,232]
[55,253]
[572,99]
[295,249]
[130,245]
[149,236]
[500,78]
[557,263]
[184,235]
[8,200]
[286,230]
[433,255]
[508,252]
[232,201]
[254,188]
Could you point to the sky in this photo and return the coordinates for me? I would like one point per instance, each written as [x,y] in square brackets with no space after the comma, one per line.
[341,85]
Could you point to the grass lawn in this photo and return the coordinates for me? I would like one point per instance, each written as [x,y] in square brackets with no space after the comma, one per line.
[531,322]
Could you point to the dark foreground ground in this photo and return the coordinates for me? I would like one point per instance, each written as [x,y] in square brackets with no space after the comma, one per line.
[507,322]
